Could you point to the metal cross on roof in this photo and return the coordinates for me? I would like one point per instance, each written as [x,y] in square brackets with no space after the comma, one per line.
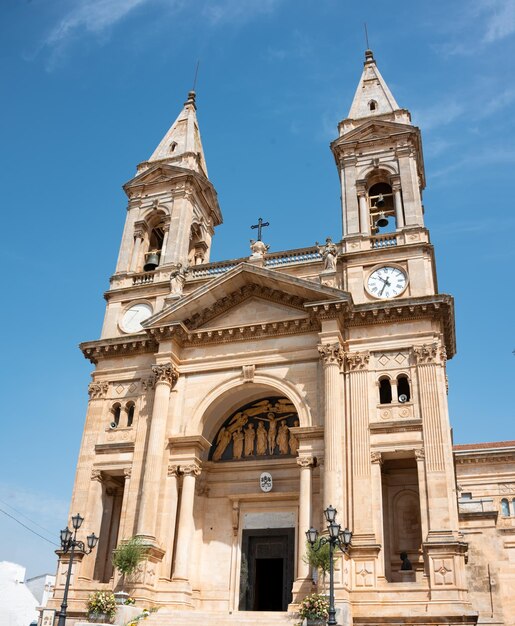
[259,226]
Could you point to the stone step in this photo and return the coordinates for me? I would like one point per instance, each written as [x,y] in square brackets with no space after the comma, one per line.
[169,617]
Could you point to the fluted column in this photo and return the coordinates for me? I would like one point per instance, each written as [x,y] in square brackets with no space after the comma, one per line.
[127,472]
[93,519]
[165,377]
[332,357]
[305,498]
[186,522]
[357,368]
[430,359]
[422,489]
[376,460]
[138,239]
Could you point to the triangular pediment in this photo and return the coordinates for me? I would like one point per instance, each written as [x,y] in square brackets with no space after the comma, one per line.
[376,129]
[246,295]
[160,172]
[254,310]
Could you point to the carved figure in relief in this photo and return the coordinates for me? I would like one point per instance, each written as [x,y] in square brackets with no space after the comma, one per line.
[250,438]
[223,440]
[237,447]
[329,252]
[272,432]
[238,421]
[261,435]
[294,442]
[282,438]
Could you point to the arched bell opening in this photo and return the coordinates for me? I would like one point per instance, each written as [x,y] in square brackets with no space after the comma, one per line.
[381,208]
[154,242]
[197,253]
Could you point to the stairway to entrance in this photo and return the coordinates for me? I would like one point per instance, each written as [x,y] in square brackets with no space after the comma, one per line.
[169,617]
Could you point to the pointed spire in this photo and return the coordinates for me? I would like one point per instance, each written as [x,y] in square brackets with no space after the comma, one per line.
[182,145]
[372,96]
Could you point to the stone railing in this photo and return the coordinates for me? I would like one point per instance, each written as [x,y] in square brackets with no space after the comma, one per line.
[213,269]
[143,278]
[383,241]
[290,257]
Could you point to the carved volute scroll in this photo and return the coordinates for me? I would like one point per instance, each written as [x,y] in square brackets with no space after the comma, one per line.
[127,473]
[97,390]
[357,361]
[258,430]
[173,470]
[331,353]
[305,461]
[166,373]
[96,474]
[192,469]
[376,457]
[420,454]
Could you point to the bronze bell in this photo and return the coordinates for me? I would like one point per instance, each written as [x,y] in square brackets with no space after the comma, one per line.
[380,201]
[382,220]
[151,261]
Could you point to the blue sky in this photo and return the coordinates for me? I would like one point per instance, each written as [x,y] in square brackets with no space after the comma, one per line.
[89,87]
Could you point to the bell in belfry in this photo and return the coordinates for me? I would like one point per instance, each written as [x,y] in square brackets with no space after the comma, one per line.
[382,220]
[380,201]
[151,261]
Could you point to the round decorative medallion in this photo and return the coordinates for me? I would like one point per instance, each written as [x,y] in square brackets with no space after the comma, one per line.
[265,482]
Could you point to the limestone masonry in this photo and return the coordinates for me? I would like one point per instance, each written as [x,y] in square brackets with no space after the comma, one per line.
[231,402]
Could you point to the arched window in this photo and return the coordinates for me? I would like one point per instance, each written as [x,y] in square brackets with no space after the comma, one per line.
[513,506]
[115,414]
[155,246]
[381,206]
[505,508]
[130,413]
[385,391]
[403,390]
[372,105]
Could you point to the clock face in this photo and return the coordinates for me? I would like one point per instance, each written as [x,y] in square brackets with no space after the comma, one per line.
[133,317]
[386,282]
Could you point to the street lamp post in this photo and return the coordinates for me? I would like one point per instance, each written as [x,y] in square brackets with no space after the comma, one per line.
[336,538]
[68,544]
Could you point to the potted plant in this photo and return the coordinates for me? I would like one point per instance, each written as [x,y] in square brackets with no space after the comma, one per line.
[126,558]
[101,606]
[318,558]
[314,609]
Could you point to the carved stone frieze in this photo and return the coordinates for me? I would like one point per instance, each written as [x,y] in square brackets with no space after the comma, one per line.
[429,353]
[166,373]
[356,361]
[331,353]
[97,390]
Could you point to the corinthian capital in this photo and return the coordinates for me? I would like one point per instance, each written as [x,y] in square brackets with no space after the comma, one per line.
[357,360]
[165,374]
[429,353]
[331,353]
[97,390]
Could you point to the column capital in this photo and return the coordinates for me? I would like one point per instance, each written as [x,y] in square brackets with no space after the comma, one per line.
[127,473]
[420,454]
[429,353]
[96,474]
[331,353]
[193,469]
[97,390]
[165,373]
[356,361]
[173,470]
[376,457]
[305,461]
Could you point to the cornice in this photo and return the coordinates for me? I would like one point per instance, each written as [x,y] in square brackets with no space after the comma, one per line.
[118,346]
[397,426]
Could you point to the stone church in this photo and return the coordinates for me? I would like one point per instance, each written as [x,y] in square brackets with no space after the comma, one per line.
[233,401]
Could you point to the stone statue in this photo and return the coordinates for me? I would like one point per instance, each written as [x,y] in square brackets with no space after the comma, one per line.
[250,437]
[177,279]
[329,252]
[259,249]
[237,448]
[294,442]
[272,432]
[282,438]
[406,563]
[222,441]
[261,439]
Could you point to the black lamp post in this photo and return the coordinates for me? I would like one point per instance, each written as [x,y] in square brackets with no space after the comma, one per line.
[336,538]
[68,544]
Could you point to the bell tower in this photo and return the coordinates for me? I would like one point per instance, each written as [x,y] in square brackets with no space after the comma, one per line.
[381,168]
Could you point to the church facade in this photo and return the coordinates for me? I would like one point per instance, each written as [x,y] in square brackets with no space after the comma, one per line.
[232,402]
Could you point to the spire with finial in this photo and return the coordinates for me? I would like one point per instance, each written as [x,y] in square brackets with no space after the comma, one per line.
[372,97]
[182,145]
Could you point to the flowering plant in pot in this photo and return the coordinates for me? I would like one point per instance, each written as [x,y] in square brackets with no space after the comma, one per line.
[126,558]
[101,606]
[315,609]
